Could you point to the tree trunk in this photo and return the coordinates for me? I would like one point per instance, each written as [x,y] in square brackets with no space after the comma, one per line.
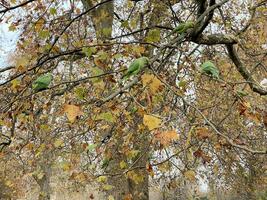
[43,178]
[102,19]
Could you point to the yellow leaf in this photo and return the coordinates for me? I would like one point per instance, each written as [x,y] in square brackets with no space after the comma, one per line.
[123,164]
[137,178]
[108,116]
[164,167]
[72,112]
[107,187]
[9,183]
[151,122]
[152,82]
[30,146]
[15,84]
[190,175]
[65,166]
[110,197]
[165,138]
[102,179]
[132,154]
[58,143]
[39,25]
[22,62]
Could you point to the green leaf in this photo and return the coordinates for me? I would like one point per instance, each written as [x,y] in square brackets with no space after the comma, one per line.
[123,164]
[95,72]
[107,116]
[81,92]
[44,34]
[91,147]
[107,187]
[105,163]
[88,51]
[53,11]
[102,179]
[125,24]
[153,36]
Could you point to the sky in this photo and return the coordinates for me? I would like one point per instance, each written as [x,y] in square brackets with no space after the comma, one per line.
[8,41]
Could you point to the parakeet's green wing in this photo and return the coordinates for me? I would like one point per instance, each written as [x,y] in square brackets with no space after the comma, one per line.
[209,68]
[42,82]
[179,28]
[182,27]
[136,66]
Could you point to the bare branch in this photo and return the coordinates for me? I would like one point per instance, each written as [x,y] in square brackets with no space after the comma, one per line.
[17,6]
[216,39]
[6,68]
[243,71]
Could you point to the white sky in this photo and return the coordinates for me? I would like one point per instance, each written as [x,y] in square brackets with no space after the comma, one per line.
[8,41]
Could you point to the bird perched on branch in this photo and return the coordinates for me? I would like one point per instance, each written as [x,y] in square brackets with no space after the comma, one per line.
[182,28]
[209,68]
[42,82]
[136,66]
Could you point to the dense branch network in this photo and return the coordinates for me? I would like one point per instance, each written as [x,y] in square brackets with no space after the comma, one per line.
[194,35]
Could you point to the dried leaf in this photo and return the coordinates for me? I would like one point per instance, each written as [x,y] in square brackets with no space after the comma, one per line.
[128,197]
[190,175]
[202,133]
[200,154]
[72,112]
[152,82]
[151,122]
[166,137]
[58,143]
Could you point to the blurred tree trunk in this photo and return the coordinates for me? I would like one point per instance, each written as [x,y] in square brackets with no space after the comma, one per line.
[43,179]
[102,18]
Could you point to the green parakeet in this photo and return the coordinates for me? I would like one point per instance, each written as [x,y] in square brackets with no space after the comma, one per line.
[182,28]
[136,66]
[42,82]
[209,68]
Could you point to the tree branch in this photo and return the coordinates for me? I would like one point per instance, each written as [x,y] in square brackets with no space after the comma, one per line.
[17,6]
[215,39]
[243,71]
[205,18]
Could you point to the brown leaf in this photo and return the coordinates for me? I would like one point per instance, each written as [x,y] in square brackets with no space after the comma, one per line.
[243,107]
[206,158]
[150,169]
[190,175]
[239,141]
[72,112]
[202,133]
[152,82]
[200,154]
[166,137]
[128,197]
[256,117]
